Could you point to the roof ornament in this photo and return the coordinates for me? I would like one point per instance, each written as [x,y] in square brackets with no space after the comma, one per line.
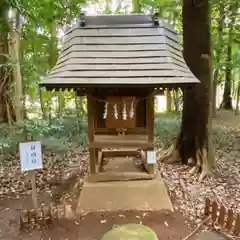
[82,22]
[155,19]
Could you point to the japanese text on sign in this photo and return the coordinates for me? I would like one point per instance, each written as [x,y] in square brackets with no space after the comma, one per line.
[30,155]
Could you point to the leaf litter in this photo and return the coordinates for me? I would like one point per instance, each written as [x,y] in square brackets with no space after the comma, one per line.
[188,194]
[15,184]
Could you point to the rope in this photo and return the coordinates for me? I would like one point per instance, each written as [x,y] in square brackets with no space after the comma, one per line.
[122,101]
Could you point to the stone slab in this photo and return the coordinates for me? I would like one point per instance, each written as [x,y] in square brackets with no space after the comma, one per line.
[210,236]
[143,195]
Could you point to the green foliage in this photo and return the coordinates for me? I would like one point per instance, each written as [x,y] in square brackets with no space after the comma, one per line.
[167,128]
[56,137]
[61,133]
[42,21]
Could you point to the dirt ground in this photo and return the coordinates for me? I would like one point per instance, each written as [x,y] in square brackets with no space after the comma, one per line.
[93,226]
[168,226]
[227,119]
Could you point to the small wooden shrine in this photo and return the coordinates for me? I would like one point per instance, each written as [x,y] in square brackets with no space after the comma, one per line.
[120,62]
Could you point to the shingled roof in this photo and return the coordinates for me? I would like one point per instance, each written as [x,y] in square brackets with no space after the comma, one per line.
[134,49]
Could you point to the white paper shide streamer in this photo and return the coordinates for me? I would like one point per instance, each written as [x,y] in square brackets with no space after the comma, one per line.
[115,111]
[124,113]
[131,113]
[105,111]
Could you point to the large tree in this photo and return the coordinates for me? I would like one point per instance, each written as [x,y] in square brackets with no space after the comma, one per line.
[193,142]
[6,108]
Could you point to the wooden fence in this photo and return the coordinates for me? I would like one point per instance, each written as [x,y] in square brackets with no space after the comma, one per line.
[226,218]
[44,216]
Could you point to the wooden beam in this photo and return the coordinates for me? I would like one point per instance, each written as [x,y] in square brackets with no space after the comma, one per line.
[99,155]
[151,168]
[91,124]
[92,162]
[119,176]
[120,153]
[138,130]
[150,118]
[91,131]
[139,145]
[100,161]
[128,141]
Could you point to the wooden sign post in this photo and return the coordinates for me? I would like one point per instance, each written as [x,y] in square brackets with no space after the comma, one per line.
[31,159]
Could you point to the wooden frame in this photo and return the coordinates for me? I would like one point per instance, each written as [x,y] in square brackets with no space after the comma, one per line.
[137,138]
[151,168]
[91,130]
[134,58]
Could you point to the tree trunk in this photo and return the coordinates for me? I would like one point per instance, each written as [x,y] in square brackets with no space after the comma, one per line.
[214,95]
[237,99]
[6,108]
[15,50]
[192,143]
[168,100]
[77,106]
[176,99]
[53,49]
[227,95]
[41,94]
[61,103]
[79,102]
[222,17]
[136,6]
[108,8]
[52,59]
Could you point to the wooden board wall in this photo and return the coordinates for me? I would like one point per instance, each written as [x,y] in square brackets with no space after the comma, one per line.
[140,113]
[111,122]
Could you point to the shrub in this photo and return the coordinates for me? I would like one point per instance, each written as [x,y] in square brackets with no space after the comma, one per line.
[56,136]
[59,135]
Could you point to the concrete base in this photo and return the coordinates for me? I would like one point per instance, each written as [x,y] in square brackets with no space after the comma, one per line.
[143,195]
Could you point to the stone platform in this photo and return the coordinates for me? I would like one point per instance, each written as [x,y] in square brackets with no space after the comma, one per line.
[145,195]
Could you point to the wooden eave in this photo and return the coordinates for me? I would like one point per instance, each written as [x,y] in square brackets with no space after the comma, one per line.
[120,51]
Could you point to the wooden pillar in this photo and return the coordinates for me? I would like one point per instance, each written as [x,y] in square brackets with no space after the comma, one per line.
[150,117]
[91,131]
[150,129]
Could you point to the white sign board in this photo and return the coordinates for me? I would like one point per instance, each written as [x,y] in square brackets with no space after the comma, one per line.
[151,157]
[30,156]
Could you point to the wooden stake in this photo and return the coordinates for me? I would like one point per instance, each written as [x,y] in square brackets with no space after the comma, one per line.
[34,189]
